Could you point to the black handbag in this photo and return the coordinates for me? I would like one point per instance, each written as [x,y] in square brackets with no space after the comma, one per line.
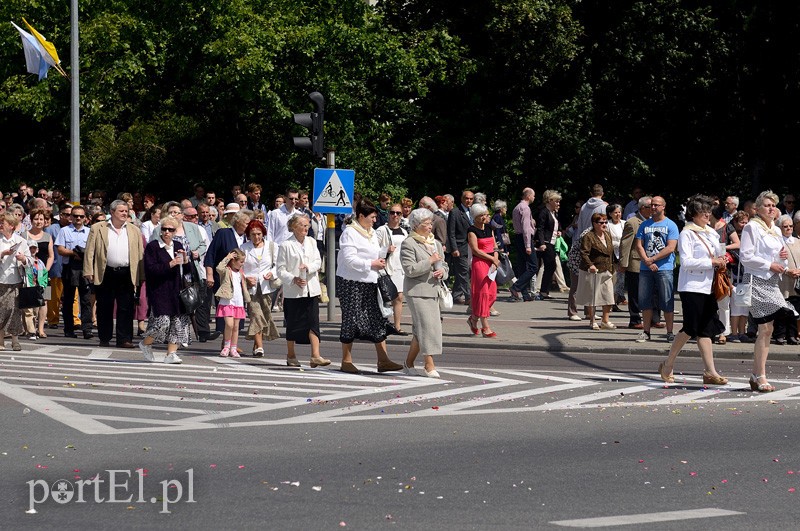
[386,287]
[31,297]
[190,293]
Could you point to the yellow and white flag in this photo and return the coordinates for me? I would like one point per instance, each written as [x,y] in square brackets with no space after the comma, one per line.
[40,54]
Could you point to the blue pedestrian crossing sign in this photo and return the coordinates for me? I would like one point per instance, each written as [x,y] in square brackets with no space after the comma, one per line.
[333,190]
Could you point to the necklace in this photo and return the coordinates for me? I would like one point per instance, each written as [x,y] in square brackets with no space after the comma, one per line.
[259,257]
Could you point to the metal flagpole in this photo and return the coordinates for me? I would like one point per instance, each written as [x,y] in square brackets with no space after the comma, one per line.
[75,133]
[330,246]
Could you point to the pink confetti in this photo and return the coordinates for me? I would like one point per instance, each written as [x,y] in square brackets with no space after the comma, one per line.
[791,489]
[692,473]
[765,480]
[435,407]
[776,460]
[76,469]
[241,467]
[790,472]
[724,481]
[641,460]
[212,466]
[342,524]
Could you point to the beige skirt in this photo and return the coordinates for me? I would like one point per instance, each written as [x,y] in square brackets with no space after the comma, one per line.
[595,289]
[10,314]
[426,324]
[261,317]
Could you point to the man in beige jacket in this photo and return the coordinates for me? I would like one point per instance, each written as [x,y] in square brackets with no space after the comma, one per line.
[113,264]
[630,262]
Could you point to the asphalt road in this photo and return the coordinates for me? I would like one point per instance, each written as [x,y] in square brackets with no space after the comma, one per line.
[505,440]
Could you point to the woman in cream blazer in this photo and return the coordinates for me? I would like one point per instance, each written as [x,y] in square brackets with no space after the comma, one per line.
[298,265]
[422,259]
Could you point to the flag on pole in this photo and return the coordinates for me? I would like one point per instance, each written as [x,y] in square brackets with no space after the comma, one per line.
[40,54]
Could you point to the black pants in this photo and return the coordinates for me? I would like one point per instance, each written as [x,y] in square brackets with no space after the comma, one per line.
[547,260]
[203,312]
[459,270]
[116,287]
[73,281]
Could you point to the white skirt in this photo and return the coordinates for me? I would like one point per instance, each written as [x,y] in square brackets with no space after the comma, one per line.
[595,289]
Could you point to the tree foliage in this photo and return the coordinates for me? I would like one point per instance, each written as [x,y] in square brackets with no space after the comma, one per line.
[422,97]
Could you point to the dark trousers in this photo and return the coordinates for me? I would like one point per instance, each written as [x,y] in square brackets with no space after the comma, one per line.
[116,287]
[547,260]
[528,265]
[459,270]
[73,282]
[786,327]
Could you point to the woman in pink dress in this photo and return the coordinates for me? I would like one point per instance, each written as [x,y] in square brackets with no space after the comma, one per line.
[485,261]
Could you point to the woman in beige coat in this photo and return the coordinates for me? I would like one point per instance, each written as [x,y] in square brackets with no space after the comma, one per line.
[421,257]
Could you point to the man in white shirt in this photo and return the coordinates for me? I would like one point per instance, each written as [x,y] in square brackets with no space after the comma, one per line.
[114,264]
[277,228]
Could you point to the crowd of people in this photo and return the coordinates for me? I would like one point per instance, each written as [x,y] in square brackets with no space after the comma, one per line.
[124,269]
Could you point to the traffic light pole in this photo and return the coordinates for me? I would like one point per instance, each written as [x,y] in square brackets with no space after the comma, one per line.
[330,246]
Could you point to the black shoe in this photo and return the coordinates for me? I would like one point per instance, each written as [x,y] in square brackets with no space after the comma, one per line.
[792,341]
[527,297]
[105,343]
[202,338]
[88,335]
[214,335]
[546,297]
[73,335]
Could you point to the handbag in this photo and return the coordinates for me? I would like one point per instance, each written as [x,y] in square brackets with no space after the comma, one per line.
[31,297]
[386,287]
[743,293]
[190,293]
[721,285]
[275,282]
[504,272]
[505,238]
[445,296]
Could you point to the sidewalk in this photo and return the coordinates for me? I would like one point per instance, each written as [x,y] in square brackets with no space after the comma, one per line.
[543,326]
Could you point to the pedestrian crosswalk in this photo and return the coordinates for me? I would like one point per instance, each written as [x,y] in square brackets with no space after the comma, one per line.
[95,392]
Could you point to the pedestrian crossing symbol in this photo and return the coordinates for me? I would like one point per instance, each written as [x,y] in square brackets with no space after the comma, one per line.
[333,190]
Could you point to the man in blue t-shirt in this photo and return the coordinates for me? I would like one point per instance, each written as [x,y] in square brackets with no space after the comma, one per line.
[656,240]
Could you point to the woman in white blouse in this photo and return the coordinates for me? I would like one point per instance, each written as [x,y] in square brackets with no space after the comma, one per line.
[764,256]
[298,266]
[701,253]
[14,252]
[260,273]
[390,238]
[615,227]
[357,287]
[786,329]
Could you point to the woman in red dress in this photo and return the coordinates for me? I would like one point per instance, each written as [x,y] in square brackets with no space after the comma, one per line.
[485,261]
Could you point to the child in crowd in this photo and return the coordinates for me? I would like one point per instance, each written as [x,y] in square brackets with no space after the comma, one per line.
[233,296]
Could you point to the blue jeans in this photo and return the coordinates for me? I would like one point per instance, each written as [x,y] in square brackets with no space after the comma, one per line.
[660,283]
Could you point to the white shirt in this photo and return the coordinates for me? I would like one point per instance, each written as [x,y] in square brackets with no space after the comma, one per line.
[277,228]
[118,250]
[258,262]
[290,255]
[616,234]
[9,265]
[147,230]
[697,271]
[759,249]
[356,254]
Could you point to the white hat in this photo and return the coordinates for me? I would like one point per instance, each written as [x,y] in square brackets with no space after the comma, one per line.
[32,243]
[231,207]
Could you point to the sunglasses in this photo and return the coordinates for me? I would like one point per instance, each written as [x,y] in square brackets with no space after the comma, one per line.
[602,222]
[395,213]
[167,229]
[79,216]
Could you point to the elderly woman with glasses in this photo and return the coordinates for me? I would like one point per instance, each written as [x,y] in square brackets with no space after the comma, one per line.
[390,238]
[786,329]
[14,253]
[164,258]
[595,275]
[422,259]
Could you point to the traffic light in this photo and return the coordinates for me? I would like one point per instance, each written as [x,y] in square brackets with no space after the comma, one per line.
[312,121]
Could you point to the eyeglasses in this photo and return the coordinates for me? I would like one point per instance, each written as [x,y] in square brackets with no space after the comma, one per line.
[167,229]
[602,222]
[788,226]
[395,213]
[243,202]
[656,205]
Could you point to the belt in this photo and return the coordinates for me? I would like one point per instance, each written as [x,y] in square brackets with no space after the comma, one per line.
[117,269]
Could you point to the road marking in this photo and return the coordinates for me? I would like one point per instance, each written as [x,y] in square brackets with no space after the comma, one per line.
[646,518]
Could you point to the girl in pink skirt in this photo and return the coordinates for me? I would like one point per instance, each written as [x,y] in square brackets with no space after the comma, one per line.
[233,296]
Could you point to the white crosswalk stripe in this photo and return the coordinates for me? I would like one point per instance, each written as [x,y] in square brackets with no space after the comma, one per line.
[93,392]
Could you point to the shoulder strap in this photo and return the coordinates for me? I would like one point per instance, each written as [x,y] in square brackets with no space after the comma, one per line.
[706,246]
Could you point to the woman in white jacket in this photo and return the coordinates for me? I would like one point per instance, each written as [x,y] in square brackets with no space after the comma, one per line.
[357,287]
[298,265]
[261,274]
[764,256]
[390,238]
[701,253]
